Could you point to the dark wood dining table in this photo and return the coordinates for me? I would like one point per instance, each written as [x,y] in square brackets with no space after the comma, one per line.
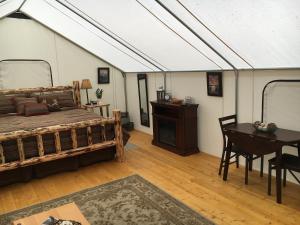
[259,143]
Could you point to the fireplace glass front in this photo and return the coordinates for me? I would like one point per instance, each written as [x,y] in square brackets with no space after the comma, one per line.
[167,132]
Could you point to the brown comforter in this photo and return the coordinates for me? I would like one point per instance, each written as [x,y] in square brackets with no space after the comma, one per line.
[14,123]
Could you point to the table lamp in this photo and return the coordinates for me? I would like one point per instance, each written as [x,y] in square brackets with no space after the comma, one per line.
[86,84]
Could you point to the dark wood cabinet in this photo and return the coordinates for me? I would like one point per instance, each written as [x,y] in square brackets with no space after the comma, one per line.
[175,127]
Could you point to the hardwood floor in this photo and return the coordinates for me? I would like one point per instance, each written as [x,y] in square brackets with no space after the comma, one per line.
[192,180]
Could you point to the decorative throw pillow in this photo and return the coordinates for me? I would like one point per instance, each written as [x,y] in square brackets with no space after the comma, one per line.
[54,107]
[20,103]
[65,99]
[6,105]
[34,109]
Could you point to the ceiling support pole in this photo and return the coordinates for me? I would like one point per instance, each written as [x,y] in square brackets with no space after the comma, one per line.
[236,72]
[125,91]
[165,81]
[236,79]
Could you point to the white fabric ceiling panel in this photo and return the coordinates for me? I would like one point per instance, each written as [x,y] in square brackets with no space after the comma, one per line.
[115,36]
[137,26]
[9,6]
[161,14]
[264,32]
[60,19]
[184,14]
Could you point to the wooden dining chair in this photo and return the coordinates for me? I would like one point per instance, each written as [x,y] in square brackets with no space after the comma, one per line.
[224,122]
[235,150]
[289,163]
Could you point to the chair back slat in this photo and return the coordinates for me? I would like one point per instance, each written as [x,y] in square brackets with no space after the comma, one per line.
[226,118]
[225,122]
[228,124]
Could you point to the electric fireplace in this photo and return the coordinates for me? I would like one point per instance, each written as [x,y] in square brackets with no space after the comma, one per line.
[175,127]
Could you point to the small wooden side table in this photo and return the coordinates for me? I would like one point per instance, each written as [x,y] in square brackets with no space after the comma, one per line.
[100,106]
[69,212]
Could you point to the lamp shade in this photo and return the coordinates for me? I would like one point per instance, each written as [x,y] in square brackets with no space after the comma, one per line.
[86,84]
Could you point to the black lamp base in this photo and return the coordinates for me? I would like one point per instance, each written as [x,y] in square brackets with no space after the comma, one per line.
[87,97]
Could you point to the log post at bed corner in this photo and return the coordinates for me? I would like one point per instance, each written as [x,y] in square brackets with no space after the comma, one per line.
[118,135]
[76,92]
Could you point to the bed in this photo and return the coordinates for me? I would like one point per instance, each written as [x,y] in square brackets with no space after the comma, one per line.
[36,146]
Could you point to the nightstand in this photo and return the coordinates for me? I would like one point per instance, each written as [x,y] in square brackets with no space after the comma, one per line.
[100,106]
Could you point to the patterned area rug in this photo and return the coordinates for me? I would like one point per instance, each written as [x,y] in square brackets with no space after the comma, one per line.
[131,200]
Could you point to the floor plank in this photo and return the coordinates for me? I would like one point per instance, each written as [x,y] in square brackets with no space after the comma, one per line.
[192,180]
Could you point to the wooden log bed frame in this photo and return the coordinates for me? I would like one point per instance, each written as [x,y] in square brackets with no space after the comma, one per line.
[19,135]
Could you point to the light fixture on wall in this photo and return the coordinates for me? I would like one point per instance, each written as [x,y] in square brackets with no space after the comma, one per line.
[86,84]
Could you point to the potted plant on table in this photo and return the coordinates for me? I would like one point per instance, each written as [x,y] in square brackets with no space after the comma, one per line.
[99,93]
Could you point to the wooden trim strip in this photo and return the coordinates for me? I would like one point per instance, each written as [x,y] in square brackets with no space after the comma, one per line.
[21,149]
[52,129]
[2,154]
[57,142]
[40,144]
[89,135]
[34,90]
[74,138]
[103,132]
[55,156]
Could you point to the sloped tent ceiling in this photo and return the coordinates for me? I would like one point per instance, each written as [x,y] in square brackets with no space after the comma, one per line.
[7,7]
[142,36]
[265,33]
[132,21]
[60,19]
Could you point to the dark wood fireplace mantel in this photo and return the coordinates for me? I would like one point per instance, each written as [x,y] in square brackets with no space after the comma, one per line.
[175,127]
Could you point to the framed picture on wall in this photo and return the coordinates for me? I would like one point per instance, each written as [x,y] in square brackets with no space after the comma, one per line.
[214,84]
[103,75]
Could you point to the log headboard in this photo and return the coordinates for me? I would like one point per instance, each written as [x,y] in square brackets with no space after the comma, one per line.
[28,91]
